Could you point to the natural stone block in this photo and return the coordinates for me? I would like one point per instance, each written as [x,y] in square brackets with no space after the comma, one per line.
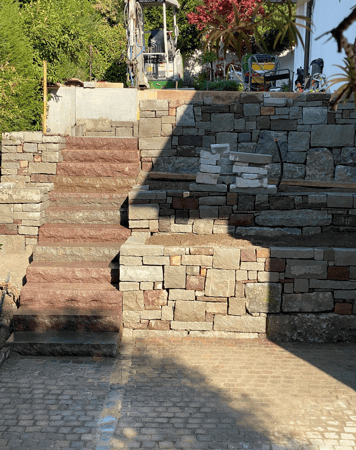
[6,213]
[155,299]
[343,308]
[203,226]
[298,141]
[222,122]
[190,312]
[154,105]
[197,260]
[216,308]
[156,260]
[314,302]
[320,164]
[141,250]
[339,201]
[292,252]
[306,269]
[275,265]
[181,295]
[312,328]
[345,173]
[195,283]
[43,167]
[338,273]
[225,258]
[275,101]
[125,286]
[141,273]
[196,326]
[345,257]
[332,135]
[263,297]
[185,116]
[315,115]
[298,218]
[237,306]
[220,283]
[227,138]
[174,277]
[132,301]
[301,285]
[242,324]
[144,212]
[155,143]
[149,127]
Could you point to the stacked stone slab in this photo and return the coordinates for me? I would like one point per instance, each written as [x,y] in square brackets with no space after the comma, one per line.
[22,210]
[251,171]
[290,293]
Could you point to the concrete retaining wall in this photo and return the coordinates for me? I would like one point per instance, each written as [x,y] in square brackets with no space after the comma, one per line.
[288,293]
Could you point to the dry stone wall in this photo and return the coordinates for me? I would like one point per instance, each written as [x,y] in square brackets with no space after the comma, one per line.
[211,209]
[317,143]
[288,293]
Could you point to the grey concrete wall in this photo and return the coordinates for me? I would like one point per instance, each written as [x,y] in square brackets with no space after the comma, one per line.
[69,105]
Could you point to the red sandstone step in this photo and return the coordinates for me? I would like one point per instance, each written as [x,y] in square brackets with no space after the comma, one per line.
[88,199]
[97,143]
[72,272]
[86,184]
[81,215]
[70,295]
[69,319]
[70,232]
[97,169]
[126,156]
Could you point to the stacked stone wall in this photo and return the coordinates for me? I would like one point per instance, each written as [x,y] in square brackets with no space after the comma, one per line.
[317,143]
[288,293]
[209,209]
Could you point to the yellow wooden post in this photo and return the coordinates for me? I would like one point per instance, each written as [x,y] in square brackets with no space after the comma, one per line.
[44,121]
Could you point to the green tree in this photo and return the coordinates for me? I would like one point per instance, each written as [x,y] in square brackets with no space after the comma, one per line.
[20,91]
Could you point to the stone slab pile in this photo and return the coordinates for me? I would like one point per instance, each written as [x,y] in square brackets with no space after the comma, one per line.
[246,292]
[22,210]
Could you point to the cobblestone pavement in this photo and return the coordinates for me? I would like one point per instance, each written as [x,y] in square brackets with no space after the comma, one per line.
[184,394]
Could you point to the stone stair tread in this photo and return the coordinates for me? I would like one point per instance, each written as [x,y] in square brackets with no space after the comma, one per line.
[80,244]
[99,169]
[45,311]
[68,343]
[76,264]
[96,142]
[85,225]
[72,271]
[79,208]
[101,155]
[69,286]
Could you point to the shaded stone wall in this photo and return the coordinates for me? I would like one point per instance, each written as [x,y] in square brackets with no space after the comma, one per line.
[288,293]
[208,209]
[317,143]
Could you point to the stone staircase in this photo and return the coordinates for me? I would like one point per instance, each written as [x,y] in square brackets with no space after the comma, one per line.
[70,303]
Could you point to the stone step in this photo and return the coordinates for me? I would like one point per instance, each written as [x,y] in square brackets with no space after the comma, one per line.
[87,184]
[71,319]
[94,215]
[127,156]
[72,272]
[65,343]
[68,232]
[68,251]
[97,169]
[90,199]
[101,143]
[70,295]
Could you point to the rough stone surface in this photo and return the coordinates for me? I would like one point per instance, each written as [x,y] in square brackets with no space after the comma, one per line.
[313,302]
[298,141]
[299,218]
[332,135]
[240,324]
[190,312]
[320,165]
[306,269]
[225,258]
[263,297]
[345,257]
[345,173]
[174,277]
[315,115]
[312,328]
[266,144]
[220,283]
[237,306]
[176,164]
[154,299]
[144,212]
[185,116]
[141,273]
[227,138]
[222,122]
[132,301]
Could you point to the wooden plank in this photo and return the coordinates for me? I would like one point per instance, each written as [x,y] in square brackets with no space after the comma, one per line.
[316,184]
[171,176]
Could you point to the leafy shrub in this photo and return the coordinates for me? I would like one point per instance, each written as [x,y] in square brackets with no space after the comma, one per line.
[225,85]
[20,91]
